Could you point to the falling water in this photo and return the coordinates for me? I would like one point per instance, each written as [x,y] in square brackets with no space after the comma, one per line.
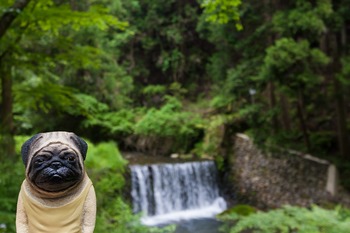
[166,193]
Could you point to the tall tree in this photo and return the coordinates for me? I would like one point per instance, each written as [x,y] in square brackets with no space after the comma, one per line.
[31,27]
[6,124]
[333,43]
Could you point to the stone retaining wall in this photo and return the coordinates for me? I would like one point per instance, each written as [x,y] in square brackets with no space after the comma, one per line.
[276,179]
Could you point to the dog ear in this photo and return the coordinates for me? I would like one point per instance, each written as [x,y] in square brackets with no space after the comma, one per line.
[26,148]
[82,145]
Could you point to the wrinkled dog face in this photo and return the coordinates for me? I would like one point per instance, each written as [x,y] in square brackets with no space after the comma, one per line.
[55,168]
[54,161]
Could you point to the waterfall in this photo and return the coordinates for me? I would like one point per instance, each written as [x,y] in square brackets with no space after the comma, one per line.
[170,192]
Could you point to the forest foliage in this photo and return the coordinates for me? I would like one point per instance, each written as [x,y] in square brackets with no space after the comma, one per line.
[112,68]
[287,219]
[164,77]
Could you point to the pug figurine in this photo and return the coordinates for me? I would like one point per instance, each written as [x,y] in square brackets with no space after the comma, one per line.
[57,195]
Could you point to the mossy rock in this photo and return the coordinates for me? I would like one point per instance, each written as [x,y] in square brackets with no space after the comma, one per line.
[242,210]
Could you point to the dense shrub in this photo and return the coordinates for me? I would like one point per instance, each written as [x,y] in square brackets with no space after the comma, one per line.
[168,128]
[11,178]
[170,122]
[12,175]
[289,219]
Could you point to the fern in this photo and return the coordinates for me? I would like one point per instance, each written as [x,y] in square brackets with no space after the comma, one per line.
[113,123]
[291,219]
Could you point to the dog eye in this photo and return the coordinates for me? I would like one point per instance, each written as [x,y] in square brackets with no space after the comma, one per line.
[70,158]
[39,160]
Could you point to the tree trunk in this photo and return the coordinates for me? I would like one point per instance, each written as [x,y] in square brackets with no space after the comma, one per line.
[340,101]
[285,115]
[332,45]
[341,119]
[272,102]
[270,86]
[301,116]
[338,45]
[7,143]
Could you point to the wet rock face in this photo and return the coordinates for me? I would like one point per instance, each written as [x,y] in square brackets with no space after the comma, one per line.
[274,180]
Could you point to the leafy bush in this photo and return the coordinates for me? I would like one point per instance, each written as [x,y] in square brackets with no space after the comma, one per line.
[114,124]
[12,176]
[291,219]
[213,136]
[104,156]
[154,90]
[168,125]
[170,121]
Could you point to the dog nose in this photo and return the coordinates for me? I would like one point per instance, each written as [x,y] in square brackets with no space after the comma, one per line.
[56,165]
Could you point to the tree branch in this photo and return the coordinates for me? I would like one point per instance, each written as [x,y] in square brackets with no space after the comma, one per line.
[10,15]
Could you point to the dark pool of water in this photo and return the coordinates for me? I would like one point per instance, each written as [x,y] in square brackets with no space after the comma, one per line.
[203,225]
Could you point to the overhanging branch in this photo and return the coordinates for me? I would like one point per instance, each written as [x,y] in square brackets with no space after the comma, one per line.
[10,15]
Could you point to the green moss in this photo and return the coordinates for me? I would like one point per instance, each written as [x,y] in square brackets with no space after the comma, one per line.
[242,210]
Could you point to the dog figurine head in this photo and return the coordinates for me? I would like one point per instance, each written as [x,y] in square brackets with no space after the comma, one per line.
[54,160]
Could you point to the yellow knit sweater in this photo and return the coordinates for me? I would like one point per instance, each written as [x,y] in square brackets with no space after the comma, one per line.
[61,219]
